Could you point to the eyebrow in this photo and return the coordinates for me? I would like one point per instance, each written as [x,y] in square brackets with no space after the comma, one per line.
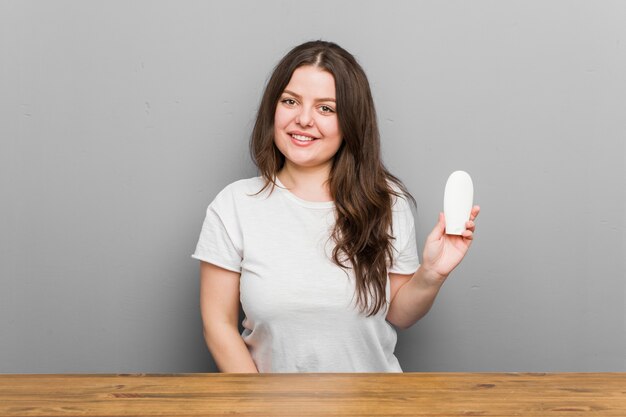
[317,99]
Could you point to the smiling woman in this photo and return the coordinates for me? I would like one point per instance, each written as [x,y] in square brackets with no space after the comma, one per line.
[306,128]
[320,248]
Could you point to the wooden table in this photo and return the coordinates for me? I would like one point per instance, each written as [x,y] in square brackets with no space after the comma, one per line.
[408,394]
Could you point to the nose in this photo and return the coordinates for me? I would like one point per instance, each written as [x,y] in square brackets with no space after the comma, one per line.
[304,117]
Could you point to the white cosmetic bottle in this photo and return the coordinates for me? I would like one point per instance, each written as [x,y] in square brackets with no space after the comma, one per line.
[457,202]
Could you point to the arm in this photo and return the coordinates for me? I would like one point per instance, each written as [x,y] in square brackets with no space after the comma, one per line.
[413,295]
[219,305]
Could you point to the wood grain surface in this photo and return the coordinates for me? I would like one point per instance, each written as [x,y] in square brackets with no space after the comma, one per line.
[407,394]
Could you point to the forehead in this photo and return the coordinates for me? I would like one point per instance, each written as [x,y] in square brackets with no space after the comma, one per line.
[310,80]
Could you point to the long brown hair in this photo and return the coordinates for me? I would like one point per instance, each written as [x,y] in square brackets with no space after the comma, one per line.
[361,186]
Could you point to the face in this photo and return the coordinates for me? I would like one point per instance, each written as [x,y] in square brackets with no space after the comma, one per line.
[306,127]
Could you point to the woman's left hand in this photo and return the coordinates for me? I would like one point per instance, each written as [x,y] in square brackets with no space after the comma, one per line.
[442,252]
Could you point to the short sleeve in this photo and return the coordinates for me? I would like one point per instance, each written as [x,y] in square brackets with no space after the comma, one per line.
[216,243]
[405,258]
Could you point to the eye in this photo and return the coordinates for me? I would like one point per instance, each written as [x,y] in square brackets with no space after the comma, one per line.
[327,109]
[288,101]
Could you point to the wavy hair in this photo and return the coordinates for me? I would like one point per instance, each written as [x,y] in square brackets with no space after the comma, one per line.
[359,183]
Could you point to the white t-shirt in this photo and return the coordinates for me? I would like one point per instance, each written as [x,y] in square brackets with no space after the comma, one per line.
[300,308]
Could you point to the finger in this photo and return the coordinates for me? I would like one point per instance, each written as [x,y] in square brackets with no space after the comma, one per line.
[474,212]
[468,234]
[470,225]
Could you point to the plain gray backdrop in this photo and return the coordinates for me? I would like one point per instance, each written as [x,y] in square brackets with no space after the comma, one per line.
[121,120]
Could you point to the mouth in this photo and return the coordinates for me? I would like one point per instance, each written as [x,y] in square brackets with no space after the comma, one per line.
[302,138]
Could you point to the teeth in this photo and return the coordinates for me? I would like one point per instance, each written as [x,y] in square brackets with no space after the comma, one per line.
[302,138]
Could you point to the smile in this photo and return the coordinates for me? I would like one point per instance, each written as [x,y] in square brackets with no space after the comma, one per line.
[302,138]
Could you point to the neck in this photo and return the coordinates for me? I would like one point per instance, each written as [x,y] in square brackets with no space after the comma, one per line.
[307,183]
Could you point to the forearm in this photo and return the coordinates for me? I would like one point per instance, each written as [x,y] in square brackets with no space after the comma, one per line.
[414,299]
[228,349]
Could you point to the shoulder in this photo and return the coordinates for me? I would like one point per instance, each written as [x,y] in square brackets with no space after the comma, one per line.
[400,201]
[239,193]
[401,212]
[242,187]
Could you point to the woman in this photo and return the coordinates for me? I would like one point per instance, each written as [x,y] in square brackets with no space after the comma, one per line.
[320,248]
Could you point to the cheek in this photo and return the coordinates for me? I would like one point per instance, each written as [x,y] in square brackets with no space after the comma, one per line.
[281,118]
[330,127]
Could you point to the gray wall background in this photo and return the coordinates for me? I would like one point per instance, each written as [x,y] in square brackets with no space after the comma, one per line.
[120,121]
